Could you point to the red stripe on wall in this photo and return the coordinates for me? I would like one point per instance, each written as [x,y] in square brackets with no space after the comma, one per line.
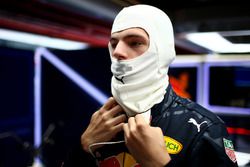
[238,131]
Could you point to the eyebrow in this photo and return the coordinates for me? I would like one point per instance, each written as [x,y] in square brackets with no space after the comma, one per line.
[132,35]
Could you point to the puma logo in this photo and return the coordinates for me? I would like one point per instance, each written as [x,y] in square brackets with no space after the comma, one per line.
[193,121]
[120,79]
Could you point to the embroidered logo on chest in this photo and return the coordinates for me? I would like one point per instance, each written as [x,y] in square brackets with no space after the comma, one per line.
[194,122]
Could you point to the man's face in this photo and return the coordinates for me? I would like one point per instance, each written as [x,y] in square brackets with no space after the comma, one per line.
[129,43]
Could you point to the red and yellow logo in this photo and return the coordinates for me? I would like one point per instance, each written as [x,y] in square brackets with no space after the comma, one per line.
[120,160]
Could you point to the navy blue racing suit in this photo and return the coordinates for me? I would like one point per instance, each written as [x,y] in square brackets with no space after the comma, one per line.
[194,137]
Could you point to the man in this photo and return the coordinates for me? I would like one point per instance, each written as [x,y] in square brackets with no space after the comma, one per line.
[145,123]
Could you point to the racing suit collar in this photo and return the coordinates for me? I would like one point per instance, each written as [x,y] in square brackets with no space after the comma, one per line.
[159,108]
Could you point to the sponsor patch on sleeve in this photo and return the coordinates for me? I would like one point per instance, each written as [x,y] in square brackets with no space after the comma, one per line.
[172,145]
[229,149]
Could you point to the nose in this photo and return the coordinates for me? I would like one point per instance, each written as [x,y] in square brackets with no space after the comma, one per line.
[120,51]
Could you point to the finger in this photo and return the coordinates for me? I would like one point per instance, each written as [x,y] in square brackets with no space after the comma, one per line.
[116,110]
[159,130]
[108,116]
[131,124]
[139,119]
[126,131]
[119,119]
[118,128]
[109,104]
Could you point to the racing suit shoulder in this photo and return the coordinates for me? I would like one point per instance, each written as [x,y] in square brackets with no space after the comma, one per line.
[194,136]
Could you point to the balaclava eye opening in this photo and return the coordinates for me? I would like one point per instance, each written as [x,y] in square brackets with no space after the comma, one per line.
[140,83]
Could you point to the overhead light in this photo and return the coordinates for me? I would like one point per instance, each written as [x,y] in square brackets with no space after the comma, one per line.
[40,40]
[217,43]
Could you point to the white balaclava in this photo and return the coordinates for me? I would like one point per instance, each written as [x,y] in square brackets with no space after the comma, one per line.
[140,83]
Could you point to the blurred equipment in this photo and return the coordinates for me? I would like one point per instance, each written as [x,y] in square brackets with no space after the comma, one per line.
[15,152]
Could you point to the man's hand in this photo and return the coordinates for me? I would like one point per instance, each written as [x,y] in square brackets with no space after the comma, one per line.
[104,124]
[145,143]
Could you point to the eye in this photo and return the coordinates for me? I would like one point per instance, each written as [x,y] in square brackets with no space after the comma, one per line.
[113,44]
[135,43]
